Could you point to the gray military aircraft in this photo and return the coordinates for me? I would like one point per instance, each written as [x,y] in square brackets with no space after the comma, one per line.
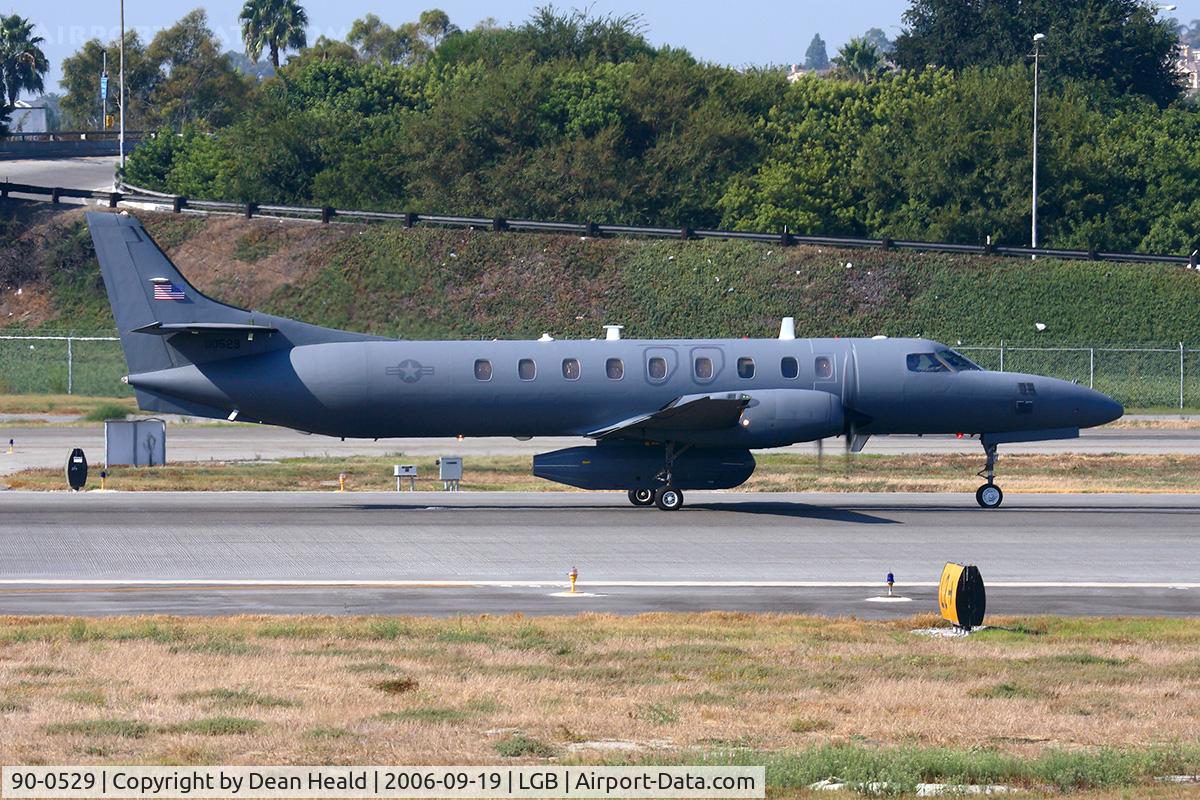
[666,415]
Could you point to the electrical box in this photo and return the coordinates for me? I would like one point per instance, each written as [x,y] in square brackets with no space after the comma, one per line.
[135,443]
[450,468]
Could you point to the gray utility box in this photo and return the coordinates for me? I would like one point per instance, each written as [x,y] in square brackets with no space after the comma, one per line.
[450,468]
[135,443]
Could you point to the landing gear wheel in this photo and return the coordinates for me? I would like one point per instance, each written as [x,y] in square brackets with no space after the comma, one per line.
[668,499]
[989,496]
[641,497]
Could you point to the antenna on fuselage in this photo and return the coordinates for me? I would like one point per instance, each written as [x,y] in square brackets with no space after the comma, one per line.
[612,333]
[787,328]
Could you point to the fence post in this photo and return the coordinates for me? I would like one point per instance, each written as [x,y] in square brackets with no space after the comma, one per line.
[1181,374]
[70,367]
[1091,368]
[1002,355]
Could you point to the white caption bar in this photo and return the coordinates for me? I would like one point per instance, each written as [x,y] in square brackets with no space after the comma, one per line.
[382,782]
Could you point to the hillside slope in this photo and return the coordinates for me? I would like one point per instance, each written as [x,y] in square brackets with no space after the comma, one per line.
[424,283]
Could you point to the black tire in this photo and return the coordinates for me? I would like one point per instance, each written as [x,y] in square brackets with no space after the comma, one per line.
[668,499]
[989,496]
[641,497]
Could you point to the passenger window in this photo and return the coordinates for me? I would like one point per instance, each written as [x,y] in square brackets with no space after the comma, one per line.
[615,369]
[656,367]
[789,367]
[704,368]
[823,367]
[483,370]
[745,367]
[925,362]
[571,369]
[526,369]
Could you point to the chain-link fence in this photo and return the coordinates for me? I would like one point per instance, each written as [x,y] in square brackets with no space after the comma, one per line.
[1140,377]
[48,363]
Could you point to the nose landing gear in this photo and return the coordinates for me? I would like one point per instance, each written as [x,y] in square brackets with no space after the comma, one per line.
[989,495]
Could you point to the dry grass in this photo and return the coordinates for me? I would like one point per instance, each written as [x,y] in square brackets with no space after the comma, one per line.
[294,690]
[775,473]
[63,404]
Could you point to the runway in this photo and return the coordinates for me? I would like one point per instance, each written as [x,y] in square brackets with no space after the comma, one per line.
[438,553]
[48,446]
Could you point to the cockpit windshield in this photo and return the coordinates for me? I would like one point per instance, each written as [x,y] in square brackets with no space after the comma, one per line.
[942,361]
[957,361]
[925,362]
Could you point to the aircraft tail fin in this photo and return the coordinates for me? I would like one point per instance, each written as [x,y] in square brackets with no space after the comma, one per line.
[149,295]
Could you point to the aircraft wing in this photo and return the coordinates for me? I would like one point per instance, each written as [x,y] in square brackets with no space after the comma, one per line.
[693,412]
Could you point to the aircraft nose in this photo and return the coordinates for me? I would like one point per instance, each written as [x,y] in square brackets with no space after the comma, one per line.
[1094,408]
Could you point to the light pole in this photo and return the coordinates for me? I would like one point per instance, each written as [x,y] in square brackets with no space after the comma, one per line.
[1037,40]
[121,88]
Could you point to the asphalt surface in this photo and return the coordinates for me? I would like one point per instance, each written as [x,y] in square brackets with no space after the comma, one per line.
[49,446]
[438,553]
[70,173]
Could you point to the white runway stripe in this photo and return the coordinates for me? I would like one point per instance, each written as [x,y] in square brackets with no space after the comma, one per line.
[507,584]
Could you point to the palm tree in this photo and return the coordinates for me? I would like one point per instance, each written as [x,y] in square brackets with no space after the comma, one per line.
[860,59]
[22,62]
[275,25]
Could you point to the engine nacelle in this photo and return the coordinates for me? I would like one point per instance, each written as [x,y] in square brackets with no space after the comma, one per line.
[778,417]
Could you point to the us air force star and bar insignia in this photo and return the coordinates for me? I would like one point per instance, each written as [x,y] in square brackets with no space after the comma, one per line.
[409,371]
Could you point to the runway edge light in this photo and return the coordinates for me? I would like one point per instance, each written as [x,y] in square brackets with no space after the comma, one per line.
[962,600]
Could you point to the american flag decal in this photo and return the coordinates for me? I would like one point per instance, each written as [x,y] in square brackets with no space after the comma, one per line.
[168,291]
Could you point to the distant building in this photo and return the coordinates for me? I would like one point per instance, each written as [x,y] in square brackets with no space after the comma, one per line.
[796,73]
[27,118]
[1187,62]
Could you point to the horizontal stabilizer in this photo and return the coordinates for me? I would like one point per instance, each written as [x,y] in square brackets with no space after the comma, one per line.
[166,329]
[694,412]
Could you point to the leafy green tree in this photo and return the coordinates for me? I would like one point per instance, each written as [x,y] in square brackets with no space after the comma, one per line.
[1117,43]
[860,60]
[882,43]
[816,57]
[81,81]
[23,65]
[274,26]
[378,41]
[198,85]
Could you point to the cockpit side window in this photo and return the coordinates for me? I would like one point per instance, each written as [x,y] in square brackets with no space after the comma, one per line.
[957,361]
[925,362]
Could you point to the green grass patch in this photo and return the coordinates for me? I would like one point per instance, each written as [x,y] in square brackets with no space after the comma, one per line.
[11,706]
[902,768]
[86,697]
[425,715]
[521,746]
[658,714]
[122,728]
[107,411]
[217,726]
[1008,691]
[217,647]
[237,698]
[397,685]
[809,725]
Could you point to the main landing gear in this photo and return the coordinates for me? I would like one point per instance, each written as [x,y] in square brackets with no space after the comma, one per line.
[666,497]
[989,495]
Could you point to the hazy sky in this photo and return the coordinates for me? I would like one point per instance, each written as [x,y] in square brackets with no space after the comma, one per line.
[737,33]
